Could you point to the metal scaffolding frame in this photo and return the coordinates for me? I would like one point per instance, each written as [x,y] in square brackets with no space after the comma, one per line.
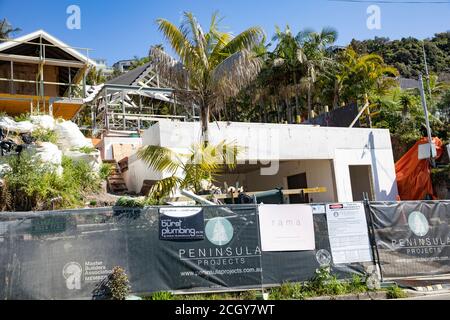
[126,109]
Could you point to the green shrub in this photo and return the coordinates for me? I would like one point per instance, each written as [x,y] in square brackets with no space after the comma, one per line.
[357,285]
[23,117]
[119,284]
[106,170]
[114,287]
[322,284]
[34,185]
[44,135]
[130,202]
[81,176]
[395,292]
[248,295]
[161,296]
[86,150]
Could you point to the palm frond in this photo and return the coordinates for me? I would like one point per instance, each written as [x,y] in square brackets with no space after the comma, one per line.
[235,73]
[198,37]
[159,158]
[165,187]
[246,40]
[168,68]
[179,42]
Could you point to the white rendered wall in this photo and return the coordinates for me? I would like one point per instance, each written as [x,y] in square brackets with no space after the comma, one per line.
[318,173]
[340,147]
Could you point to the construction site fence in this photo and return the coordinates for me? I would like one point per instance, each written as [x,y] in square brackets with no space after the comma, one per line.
[67,254]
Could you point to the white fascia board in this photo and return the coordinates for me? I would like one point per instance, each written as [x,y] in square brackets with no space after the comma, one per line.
[51,39]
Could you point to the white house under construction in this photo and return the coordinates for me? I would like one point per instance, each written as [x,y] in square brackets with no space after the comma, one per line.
[39,73]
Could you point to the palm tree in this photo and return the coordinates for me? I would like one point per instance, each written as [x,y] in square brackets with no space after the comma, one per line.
[287,56]
[7,30]
[363,75]
[313,56]
[95,77]
[212,66]
[188,171]
[406,102]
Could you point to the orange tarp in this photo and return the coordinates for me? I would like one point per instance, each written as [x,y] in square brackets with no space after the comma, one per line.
[414,175]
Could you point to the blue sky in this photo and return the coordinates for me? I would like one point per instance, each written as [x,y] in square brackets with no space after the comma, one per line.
[124,29]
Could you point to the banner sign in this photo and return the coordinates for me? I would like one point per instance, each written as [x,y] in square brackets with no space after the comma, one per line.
[66,254]
[413,238]
[286,228]
[348,232]
[228,257]
[181,224]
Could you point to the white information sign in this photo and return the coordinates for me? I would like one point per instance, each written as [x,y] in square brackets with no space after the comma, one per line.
[348,233]
[286,228]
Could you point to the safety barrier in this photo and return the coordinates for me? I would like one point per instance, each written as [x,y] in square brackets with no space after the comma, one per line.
[65,254]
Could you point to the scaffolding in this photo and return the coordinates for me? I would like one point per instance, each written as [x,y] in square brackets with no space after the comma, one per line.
[135,106]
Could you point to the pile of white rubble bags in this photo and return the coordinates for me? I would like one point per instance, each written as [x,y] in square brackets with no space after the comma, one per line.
[70,140]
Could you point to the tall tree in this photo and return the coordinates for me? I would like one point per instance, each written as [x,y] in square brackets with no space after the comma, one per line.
[364,74]
[313,56]
[212,66]
[287,57]
[7,30]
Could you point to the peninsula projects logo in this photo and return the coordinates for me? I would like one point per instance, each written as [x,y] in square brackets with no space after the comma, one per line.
[418,224]
[219,231]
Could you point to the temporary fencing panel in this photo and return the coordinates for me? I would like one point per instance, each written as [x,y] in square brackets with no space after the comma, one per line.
[65,254]
[412,238]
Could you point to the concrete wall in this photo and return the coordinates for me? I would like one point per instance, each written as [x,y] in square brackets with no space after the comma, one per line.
[318,173]
[336,148]
[106,146]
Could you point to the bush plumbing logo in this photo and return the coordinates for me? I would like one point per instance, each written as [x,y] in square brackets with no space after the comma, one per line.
[418,224]
[219,231]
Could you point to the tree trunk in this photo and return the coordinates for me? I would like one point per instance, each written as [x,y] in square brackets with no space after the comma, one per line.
[288,111]
[297,108]
[336,96]
[205,113]
[309,102]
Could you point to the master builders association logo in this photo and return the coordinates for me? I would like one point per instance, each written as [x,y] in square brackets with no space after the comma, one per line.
[72,273]
[418,224]
[219,231]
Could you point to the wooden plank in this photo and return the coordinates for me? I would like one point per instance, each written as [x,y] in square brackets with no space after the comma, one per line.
[236,194]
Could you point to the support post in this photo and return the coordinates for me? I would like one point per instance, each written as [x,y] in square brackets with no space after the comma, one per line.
[123,111]
[11,84]
[70,83]
[84,82]
[427,121]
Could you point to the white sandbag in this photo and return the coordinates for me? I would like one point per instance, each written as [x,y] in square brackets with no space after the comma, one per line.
[43,122]
[4,169]
[18,127]
[93,159]
[7,123]
[70,137]
[49,153]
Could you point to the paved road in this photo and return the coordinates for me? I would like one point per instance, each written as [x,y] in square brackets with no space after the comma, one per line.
[443,296]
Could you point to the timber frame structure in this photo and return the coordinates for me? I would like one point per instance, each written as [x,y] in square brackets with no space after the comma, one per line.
[41,74]
[133,102]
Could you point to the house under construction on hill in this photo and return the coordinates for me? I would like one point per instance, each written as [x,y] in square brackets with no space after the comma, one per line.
[41,74]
